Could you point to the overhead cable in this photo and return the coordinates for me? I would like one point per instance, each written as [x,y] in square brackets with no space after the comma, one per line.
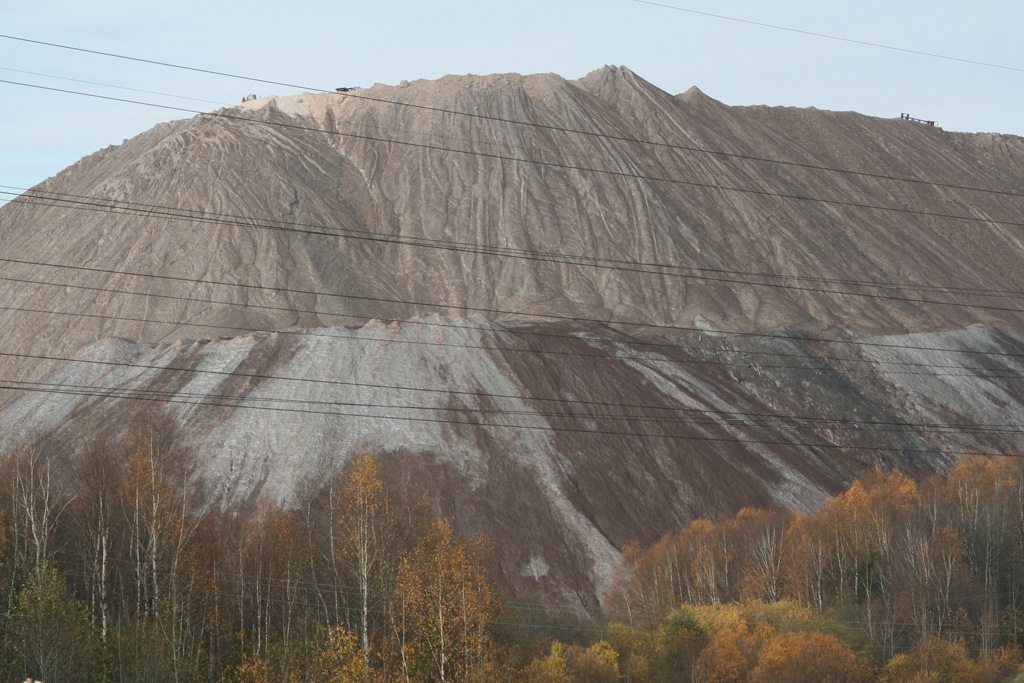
[633,175]
[361,95]
[831,37]
[39,197]
[95,392]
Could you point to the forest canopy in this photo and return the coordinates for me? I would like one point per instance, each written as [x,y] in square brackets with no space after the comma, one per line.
[118,570]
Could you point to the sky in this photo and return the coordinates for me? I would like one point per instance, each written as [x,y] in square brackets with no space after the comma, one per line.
[346,43]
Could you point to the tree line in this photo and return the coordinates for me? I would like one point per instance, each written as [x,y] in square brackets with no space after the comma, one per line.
[896,572]
[115,567]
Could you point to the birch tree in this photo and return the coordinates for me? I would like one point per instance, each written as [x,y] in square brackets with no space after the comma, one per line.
[446,600]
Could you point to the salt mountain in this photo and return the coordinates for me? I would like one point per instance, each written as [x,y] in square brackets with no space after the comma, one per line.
[544,302]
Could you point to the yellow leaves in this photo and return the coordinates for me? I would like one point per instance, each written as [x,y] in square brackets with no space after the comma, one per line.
[878,494]
[740,642]
[755,641]
[595,664]
[717,618]
[984,473]
[551,669]
[808,658]
[980,488]
[366,531]
[759,541]
[445,600]
[251,670]
[735,642]
[364,489]
[338,659]
[707,574]
[341,659]
[576,664]
[934,660]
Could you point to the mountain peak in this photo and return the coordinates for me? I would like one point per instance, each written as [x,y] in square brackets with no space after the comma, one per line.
[621,86]
[694,95]
[611,74]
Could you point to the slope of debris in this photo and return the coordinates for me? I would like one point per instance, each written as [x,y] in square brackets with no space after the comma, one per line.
[582,316]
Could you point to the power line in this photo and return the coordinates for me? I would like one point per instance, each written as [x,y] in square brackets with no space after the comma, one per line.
[831,37]
[233,402]
[519,122]
[773,420]
[598,170]
[403,388]
[394,301]
[606,417]
[93,392]
[118,207]
[117,87]
[150,211]
[520,314]
[549,164]
[157,63]
[748,353]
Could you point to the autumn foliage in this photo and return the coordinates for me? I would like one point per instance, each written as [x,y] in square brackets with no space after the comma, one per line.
[118,570]
[904,572]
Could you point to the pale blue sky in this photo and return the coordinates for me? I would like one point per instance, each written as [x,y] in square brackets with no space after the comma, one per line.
[326,45]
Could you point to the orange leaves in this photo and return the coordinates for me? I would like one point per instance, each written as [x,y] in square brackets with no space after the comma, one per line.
[903,562]
[705,563]
[934,660]
[869,511]
[737,642]
[730,655]
[808,658]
